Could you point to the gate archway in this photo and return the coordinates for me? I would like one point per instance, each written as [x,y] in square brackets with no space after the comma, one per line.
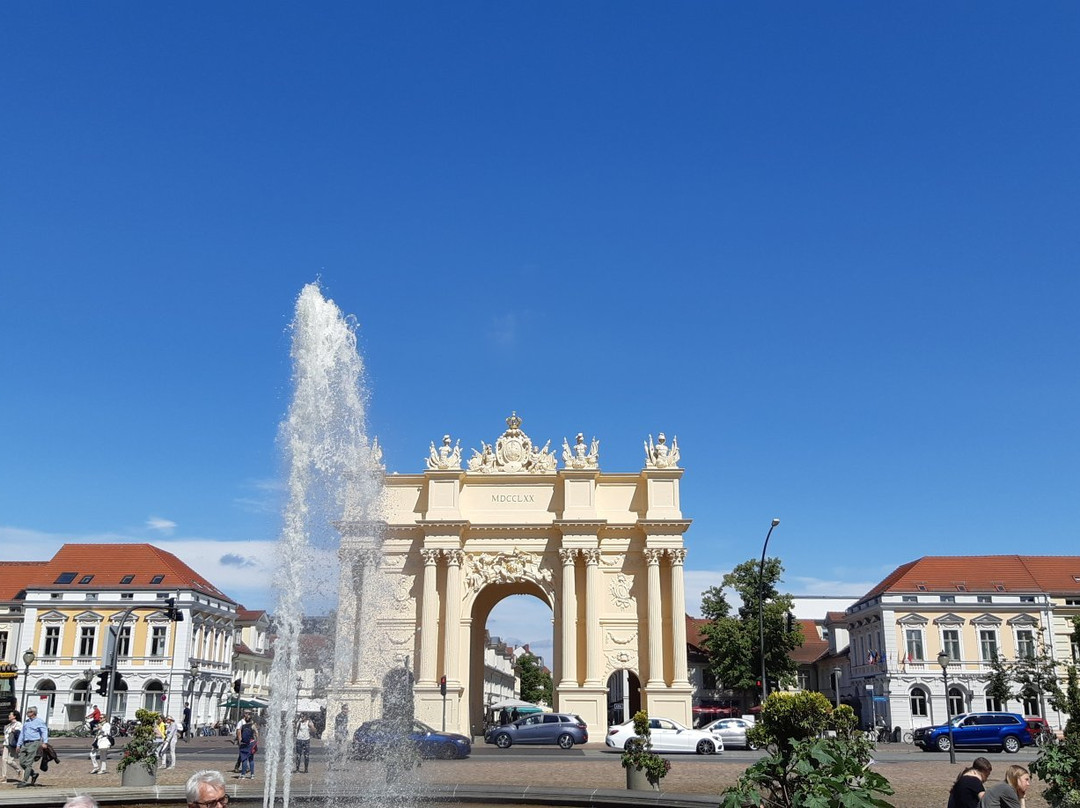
[604,551]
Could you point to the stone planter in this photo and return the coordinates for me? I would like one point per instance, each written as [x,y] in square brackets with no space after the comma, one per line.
[137,775]
[638,780]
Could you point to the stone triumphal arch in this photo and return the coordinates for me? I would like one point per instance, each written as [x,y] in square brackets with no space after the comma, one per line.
[603,550]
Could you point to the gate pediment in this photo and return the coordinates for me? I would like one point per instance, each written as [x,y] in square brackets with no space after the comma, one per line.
[481,569]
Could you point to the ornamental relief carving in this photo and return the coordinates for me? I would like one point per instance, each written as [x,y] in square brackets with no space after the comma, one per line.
[620,592]
[481,569]
[618,660]
[612,639]
[403,588]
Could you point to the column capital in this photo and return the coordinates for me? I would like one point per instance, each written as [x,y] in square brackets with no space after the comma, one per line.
[677,555]
[653,556]
[567,556]
[454,557]
[592,557]
[431,556]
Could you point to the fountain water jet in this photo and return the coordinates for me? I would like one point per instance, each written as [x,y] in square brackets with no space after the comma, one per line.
[334,473]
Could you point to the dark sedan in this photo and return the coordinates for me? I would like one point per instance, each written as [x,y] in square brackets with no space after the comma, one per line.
[563,729]
[375,738]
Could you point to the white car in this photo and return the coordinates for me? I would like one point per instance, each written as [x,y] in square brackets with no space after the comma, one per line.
[667,736]
[732,731]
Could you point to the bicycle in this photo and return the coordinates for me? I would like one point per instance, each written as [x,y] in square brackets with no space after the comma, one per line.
[82,731]
[909,737]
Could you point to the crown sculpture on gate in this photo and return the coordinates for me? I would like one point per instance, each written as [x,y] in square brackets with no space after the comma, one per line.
[515,453]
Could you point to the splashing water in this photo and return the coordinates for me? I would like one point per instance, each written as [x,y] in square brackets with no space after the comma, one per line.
[333,473]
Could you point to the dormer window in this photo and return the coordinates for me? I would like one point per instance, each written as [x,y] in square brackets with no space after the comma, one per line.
[921,587]
[127,579]
[86,579]
[157,579]
[961,587]
[66,577]
[999,587]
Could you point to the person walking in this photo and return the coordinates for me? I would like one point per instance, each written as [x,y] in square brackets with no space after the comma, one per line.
[247,719]
[248,737]
[34,733]
[186,729]
[304,730]
[168,757]
[99,749]
[968,790]
[341,737]
[11,744]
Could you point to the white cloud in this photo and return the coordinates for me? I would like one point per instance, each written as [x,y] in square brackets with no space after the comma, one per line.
[166,526]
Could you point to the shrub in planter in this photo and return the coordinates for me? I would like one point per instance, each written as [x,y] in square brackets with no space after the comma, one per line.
[141,750]
[639,755]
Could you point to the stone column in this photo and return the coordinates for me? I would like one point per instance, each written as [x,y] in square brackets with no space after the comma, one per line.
[678,615]
[453,613]
[429,619]
[656,628]
[568,640]
[593,656]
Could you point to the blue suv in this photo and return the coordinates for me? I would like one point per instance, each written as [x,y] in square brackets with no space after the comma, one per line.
[1007,731]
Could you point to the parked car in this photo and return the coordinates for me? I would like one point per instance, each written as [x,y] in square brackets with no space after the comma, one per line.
[732,731]
[374,738]
[667,736]
[1039,730]
[1007,731]
[563,729]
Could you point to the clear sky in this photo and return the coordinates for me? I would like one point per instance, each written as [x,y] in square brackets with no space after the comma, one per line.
[832,247]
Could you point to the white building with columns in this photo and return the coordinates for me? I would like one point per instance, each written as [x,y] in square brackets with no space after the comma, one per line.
[603,550]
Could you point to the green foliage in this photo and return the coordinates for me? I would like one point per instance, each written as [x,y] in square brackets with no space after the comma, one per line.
[1058,765]
[639,755]
[732,638]
[999,681]
[816,758]
[535,681]
[142,747]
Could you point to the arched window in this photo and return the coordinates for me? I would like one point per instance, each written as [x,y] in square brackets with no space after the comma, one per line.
[956,701]
[1031,705]
[993,704]
[919,702]
[152,696]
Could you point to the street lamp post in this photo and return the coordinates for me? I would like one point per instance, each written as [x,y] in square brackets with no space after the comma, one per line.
[943,659]
[761,611]
[28,658]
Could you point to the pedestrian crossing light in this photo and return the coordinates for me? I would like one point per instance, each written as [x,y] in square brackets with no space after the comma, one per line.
[442,685]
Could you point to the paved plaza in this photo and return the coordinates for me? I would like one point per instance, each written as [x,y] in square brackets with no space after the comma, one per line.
[921,780]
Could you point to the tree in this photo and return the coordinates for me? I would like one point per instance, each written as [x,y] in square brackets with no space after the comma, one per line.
[535,681]
[1036,678]
[732,639]
[999,681]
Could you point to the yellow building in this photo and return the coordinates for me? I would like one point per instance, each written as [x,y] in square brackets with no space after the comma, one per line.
[93,604]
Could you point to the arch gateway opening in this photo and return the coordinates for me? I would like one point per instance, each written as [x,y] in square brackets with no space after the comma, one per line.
[604,550]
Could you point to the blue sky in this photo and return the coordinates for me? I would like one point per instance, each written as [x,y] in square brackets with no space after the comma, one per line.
[832,247]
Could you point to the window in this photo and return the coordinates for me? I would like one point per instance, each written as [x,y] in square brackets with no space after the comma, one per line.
[1025,643]
[910,598]
[956,701]
[993,704]
[921,587]
[55,595]
[65,577]
[123,642]
[961,587]
[918,702]
[127,579]
[157,579]
[1031,705]
[127,596]
[914,644]
[86,640]
[52,641]
[984,599]
[947,598]
[86,579]
[3,644]
[1072,601]
[157,641]
[91,595]
[988,647]
[1027,598]
[950,643]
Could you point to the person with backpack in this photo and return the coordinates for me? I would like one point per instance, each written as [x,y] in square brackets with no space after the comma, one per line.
[248,739]
[99,749]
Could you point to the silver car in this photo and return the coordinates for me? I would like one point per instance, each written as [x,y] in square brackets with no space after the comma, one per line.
[731,730]
[564,729]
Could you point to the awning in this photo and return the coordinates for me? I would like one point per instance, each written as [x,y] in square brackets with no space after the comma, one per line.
[253,704]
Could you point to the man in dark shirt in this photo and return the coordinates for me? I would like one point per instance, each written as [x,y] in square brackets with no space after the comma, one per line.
[968,789]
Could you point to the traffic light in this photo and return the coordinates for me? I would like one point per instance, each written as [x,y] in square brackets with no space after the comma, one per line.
[442,685]
[238,687]
[172,612]
[102,688]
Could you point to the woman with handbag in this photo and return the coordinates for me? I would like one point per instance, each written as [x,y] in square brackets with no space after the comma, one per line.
[99,749]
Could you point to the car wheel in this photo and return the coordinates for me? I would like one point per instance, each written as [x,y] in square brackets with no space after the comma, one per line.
[445,752]
[504,741]
[1011,744]
[943,743]
[751,746]
[706,748]
[632,744]
[566,740]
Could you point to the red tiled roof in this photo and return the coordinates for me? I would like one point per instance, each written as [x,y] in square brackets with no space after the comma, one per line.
[693,630]
[109,563]
[249,615]
[814,647]
[14,576]
[1008,573]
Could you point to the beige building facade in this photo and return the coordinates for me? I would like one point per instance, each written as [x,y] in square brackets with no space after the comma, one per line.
[603,550]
